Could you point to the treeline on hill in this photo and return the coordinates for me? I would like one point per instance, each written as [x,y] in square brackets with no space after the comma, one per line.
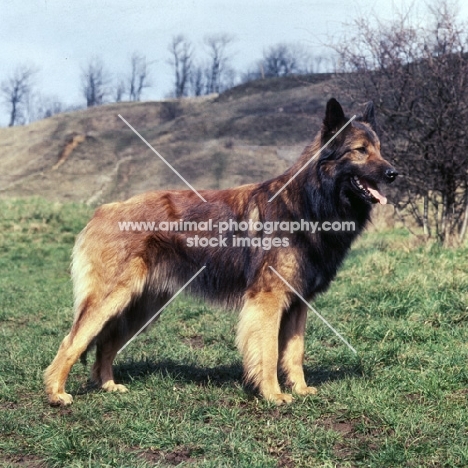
[194,75]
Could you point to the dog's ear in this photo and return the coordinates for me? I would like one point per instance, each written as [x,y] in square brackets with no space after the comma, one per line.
[369,115]
[334,118]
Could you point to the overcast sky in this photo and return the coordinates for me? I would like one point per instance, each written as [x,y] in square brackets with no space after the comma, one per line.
[60,36]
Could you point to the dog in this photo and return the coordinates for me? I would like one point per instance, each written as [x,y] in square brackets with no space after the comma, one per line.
[122,277]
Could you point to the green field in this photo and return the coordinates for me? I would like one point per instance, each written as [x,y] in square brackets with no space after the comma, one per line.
[401,402]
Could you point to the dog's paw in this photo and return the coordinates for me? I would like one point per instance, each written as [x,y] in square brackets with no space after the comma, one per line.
[60,399]
[304,390]
[111,386]
[280,398]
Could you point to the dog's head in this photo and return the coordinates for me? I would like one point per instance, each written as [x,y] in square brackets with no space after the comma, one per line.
[353,157]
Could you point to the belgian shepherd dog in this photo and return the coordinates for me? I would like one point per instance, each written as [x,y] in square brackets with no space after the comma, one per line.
[122,277]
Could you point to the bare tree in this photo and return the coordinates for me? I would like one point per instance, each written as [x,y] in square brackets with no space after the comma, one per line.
[139,77]
[119,90]
[181,50]
[95,82]
[16,91]
[418,78]
[197,80]
[283,60]
[47,106]
[218,68]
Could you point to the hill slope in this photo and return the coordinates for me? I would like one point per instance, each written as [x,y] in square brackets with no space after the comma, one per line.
[248,134]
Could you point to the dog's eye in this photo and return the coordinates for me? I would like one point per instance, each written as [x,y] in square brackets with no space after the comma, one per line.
[362,149]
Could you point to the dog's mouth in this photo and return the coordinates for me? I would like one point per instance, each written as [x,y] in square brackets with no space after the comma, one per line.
[368,190]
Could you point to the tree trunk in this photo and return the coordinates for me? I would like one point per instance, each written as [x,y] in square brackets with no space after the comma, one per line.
[426,227]
[12,115]
[464,226]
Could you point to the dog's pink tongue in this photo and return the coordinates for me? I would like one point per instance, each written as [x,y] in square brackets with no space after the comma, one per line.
[377,195]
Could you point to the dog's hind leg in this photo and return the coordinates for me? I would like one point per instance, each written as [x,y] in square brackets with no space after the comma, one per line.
[94,312]
[291,348]
[117,333]
[257,340]
[102,372]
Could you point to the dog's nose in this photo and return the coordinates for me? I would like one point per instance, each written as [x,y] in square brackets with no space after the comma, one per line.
[391,174]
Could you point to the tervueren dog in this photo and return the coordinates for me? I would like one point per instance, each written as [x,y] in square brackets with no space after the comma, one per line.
[121,278]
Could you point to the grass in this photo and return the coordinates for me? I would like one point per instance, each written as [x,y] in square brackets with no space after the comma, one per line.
[400,402]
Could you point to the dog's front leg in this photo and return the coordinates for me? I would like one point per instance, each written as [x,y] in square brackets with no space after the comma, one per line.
[291,352]
[257,340]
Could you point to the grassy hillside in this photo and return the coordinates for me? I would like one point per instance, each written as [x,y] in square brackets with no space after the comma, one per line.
[248,134]
[400,403]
